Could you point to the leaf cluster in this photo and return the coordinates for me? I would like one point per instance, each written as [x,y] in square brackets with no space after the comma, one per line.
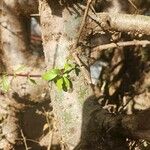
[5,82]
[61,77]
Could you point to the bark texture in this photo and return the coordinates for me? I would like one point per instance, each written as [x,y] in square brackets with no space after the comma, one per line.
[60,26]
[125,23]
[14,53]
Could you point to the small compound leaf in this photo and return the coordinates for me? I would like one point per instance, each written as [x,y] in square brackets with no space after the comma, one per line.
[4,84]
[59,84]
[32,81]
[51,74]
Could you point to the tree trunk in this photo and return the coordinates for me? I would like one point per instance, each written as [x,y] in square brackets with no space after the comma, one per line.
[14,53]
[59,30]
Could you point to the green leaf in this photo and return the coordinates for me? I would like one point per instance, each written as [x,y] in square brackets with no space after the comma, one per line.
[19,69]
[59,84]
[68,67]
[51,74]
[4,84]
[32,81]
[67,83]
[77,71]
[65,75]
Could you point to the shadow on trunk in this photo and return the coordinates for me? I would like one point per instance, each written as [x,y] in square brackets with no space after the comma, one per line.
[102,130]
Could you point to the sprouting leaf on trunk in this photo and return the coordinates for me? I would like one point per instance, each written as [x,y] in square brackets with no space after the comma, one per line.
[4,83]
[67,83]
[61,77]
[59,84]
[51,74]
[68,67]
[66,75]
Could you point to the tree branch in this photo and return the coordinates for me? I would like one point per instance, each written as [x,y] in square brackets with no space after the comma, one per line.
[124,22]
[75,55]
[23,75]
[121,44]
[85,72]
[83,21]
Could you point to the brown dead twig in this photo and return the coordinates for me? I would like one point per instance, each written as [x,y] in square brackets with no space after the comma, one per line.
[130,1]
[83,22]
[21,75]
[24,140]
[49,128]
[121,44]
[85,72]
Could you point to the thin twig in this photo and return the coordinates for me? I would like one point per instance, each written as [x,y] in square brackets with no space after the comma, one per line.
[22,75]
[35,15]
[49,127]
[85,72]
[31,140]
[121,44]
[134,145]
[130,1]
[24,140]
[12,32]
[50,142]
[123,106]
[83,22]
